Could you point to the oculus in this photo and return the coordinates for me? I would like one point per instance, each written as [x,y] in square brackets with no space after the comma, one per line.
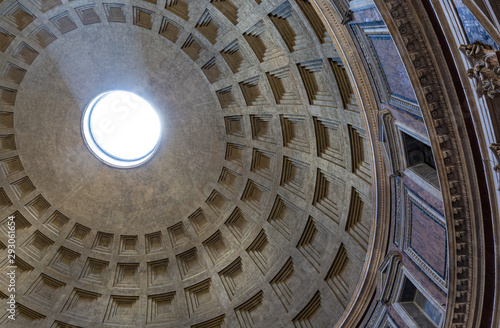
[121,129]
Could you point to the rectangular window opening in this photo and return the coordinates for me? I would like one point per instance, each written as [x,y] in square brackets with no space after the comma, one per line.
[419,159]
[422,311]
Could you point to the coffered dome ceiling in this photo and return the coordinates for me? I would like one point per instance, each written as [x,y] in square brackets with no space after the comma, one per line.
[151,196]
[255,211]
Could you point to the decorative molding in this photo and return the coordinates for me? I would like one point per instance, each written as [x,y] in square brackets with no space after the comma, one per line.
[397,215]
[381,318]
[387,272]
[389,139]
[435,277]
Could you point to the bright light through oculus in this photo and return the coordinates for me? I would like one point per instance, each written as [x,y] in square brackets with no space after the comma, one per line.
[121,128]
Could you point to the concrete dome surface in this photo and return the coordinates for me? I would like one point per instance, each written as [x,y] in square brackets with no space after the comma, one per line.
[320,164]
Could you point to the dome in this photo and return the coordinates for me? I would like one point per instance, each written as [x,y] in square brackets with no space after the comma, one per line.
[245,163]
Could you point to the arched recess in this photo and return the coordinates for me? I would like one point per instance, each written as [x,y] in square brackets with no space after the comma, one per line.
[446,122]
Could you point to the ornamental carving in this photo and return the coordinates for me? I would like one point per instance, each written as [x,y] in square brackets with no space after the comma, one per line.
[486,68]
[347,17]
[495,147]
